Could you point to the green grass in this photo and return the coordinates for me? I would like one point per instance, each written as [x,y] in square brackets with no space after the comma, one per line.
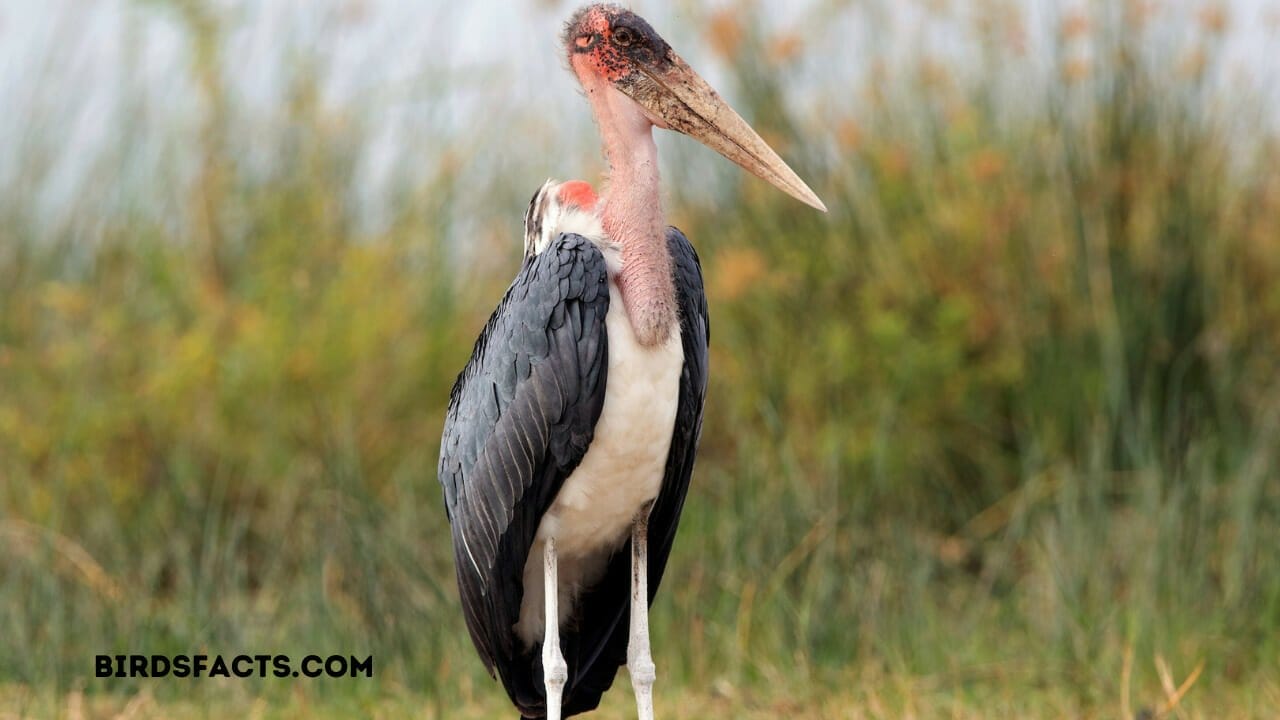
[995,689]
[985,441]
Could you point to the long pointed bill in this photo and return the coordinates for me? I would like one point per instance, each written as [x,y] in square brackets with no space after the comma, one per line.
[683,101]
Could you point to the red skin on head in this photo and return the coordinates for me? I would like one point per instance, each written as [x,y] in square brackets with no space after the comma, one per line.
[604,58]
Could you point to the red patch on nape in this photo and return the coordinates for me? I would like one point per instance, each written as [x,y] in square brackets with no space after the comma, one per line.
[577,193]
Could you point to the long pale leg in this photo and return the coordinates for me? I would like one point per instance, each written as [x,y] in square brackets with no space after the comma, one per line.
[554,670]
[639,658]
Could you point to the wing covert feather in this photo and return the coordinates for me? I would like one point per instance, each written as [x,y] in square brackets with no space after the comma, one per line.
[521,416]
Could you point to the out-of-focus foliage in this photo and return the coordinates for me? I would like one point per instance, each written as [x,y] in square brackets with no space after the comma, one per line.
[1013,402]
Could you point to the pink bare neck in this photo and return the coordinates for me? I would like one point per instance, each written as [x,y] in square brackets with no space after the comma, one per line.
[632,209]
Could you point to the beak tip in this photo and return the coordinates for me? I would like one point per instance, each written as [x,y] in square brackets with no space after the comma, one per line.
[810,198]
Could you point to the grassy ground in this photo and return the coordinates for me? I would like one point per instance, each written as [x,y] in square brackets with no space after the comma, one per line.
[1008,689]
[997,437]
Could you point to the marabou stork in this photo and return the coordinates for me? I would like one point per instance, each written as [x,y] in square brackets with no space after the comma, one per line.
[571,433]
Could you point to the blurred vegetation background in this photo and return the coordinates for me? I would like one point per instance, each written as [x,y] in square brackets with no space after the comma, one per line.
[996,437]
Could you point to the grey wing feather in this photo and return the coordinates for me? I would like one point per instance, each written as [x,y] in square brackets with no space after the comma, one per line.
[695,335]
[520,418]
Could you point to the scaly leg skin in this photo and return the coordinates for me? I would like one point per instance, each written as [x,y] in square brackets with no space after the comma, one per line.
[639,658]
[554,670]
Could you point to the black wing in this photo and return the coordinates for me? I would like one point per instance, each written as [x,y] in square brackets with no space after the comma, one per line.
[597,647]
[521,416]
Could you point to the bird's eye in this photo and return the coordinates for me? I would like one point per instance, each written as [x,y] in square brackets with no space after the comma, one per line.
[623,37]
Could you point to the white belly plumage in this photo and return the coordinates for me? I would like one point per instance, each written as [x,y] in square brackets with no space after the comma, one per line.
[591,516]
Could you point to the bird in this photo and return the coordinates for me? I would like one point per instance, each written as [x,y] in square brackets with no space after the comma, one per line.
[570,435]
